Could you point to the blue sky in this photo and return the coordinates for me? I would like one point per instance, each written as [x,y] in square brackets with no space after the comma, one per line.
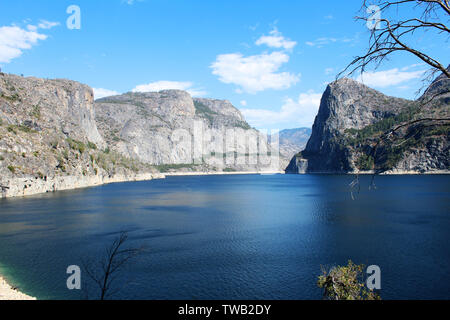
[271,59]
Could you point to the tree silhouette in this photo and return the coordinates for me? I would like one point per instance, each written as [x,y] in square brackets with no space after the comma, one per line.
[104,272]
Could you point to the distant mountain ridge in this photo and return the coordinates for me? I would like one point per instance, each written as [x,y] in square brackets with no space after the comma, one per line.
[292,141]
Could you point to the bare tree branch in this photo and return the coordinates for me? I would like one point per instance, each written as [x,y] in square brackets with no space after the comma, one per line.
[390,35]
[104,272]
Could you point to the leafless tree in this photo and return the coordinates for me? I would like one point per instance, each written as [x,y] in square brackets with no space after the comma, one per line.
[104,271]
[391,35]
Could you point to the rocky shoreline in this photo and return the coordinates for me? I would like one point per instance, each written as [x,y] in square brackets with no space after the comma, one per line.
[27,186]
[9,293]
[22,187]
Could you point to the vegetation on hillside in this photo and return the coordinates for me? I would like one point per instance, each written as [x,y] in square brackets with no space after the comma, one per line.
[207,113]
[379,156]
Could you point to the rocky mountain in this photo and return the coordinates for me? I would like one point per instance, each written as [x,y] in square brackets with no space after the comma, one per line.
[54,137]
[349,132]
[175,132]
[49,139]
[293,140]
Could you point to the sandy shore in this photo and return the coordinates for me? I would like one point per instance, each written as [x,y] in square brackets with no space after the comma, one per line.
[9,293]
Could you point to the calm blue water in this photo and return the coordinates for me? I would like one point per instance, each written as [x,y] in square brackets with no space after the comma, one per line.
[235,237]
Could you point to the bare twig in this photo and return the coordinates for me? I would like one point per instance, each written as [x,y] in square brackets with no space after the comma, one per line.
[104,272]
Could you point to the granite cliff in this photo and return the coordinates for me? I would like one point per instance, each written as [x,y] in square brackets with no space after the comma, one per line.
[54,137]
[353,119]
[49,139]
[175,132]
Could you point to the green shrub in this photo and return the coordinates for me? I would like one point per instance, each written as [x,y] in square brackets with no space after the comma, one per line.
[25,129]
[12,129]
[36,112]
[91,145]
[61,164]
[365,163]
[12,169]
[76,145]
[204,111]
[65,154]
[168,167]
[345,283]
[243,125]
[15,97]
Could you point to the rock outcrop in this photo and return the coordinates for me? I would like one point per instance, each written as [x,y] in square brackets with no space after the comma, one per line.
[41,104]
[353,118]
[173,131]
[53,137]
[49,139]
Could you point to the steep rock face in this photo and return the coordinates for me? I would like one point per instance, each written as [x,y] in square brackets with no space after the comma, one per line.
[49,139]
[439,88]
[346,104]
[171,130]
[39,103]
[228,113]
[352,118]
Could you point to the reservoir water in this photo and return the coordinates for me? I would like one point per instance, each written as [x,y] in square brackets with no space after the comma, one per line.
[234,237]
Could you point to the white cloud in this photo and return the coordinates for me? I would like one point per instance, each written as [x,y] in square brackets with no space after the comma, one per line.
[44,24]
[323,41]
[276,40]
[14,40]
[31,27]
[101,93]
[329,71]
[320,42]
[170,85]
[254,73]
[300,113]
[131,2]
[243,103]
[387,78]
